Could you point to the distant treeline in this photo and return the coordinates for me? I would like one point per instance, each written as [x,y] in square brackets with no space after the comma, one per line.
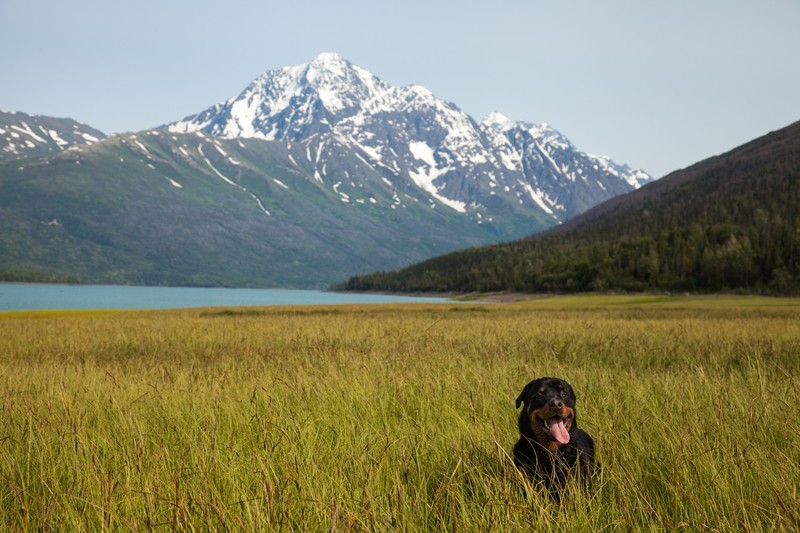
[731,223]
[17,276]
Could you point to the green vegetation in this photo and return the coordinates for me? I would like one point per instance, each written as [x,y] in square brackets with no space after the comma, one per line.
[153,209]
[731,223]
[16,276]
[398,417]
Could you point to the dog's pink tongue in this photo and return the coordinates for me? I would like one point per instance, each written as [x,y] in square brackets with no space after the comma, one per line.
[559,431]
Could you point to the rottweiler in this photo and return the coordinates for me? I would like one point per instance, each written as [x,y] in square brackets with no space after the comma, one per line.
[551,447]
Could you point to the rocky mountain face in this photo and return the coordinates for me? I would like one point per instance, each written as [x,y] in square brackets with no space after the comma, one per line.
[411,138]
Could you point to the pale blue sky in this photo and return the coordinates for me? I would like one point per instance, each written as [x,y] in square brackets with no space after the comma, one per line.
[657,85]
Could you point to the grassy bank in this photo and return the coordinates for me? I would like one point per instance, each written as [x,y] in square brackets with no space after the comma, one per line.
[398,417]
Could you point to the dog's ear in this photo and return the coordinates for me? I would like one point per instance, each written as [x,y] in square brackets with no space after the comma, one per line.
[523,394]
[571,391]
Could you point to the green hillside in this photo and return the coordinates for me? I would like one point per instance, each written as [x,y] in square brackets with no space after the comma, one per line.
[731,222]
[164,209]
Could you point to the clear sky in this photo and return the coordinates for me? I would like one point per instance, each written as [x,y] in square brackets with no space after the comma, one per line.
[657,85]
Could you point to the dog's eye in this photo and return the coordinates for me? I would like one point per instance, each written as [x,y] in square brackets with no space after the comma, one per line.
[539,396]
[564,394]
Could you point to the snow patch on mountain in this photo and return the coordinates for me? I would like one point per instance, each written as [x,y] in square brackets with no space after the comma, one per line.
[428,172]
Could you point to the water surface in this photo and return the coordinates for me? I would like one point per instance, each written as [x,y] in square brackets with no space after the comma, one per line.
[26,297]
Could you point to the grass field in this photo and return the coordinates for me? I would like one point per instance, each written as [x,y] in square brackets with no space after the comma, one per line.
[398,417]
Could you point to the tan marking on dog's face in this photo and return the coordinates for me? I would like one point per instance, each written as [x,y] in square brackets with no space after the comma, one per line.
[537,421]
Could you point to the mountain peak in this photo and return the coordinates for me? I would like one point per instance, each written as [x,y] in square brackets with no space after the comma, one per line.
[328,58]
[327,65]
[410,136]
[330,73]
[290,103]
[498,121]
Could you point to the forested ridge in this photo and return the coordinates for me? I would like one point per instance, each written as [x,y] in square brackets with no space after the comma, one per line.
[729,223]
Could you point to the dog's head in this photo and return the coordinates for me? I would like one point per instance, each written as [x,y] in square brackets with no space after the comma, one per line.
[548,415]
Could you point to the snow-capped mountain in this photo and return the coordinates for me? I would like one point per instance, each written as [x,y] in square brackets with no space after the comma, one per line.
[310,175]
[24,136]
[420,146]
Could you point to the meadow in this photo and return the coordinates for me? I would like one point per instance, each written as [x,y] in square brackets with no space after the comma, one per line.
[398,417]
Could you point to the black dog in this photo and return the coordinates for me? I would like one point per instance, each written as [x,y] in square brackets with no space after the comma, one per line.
[551,445]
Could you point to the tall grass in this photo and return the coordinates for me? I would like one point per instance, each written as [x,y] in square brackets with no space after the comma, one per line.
[398,417]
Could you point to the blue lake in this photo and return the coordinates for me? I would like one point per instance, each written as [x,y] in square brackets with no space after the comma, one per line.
[24,297]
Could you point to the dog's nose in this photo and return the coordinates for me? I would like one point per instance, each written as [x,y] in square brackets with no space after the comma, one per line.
[555,403]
